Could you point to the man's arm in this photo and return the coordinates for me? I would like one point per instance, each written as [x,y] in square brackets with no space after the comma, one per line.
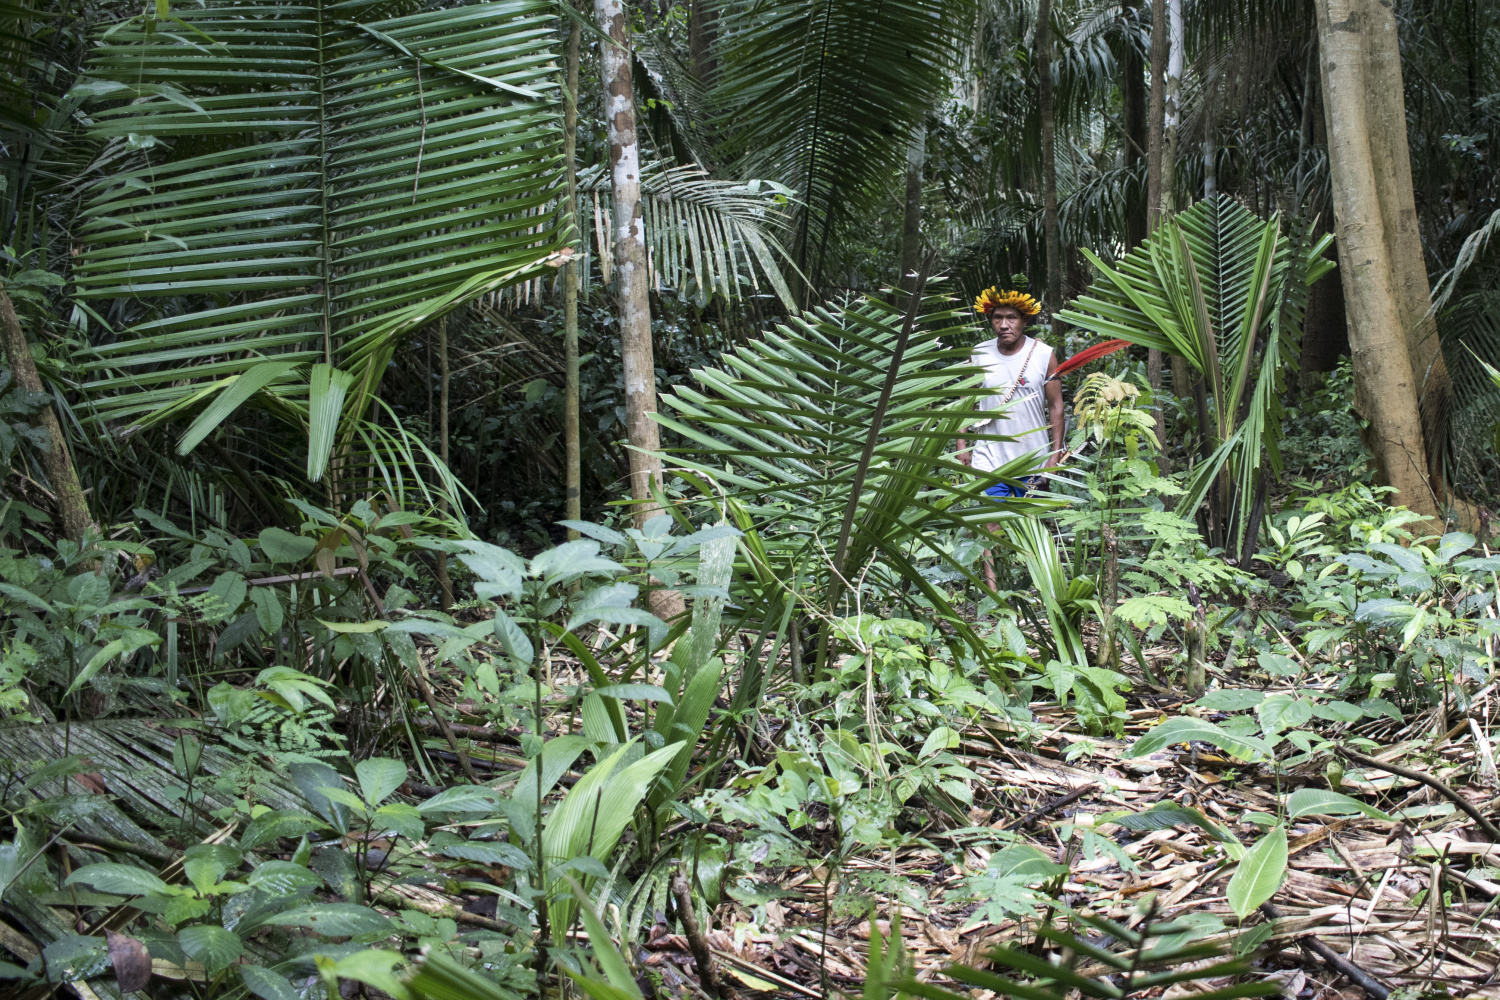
[964,454]
[1056,415]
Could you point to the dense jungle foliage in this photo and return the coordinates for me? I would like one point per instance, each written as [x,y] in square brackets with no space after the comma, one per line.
[371,625]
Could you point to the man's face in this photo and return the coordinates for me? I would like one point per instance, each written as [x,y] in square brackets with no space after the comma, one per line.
[1009,326]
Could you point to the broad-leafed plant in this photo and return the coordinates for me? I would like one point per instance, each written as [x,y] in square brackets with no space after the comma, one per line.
[1225,290]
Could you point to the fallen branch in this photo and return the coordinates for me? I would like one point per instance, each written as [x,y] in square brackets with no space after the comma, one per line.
[1048,807]
[703,957]
[1431,782]
[1332,958]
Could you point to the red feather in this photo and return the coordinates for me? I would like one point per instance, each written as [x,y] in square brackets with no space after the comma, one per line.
[1088,354]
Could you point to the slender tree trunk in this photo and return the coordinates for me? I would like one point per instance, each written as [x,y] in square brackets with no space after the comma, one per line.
[631,280]
[1136,143]
[442,352]
[1160,45]
[1385,382]
[911,223]
[72,505]
[1155,138]
[571,443]
[1210,152]
[1055,264]
[1171,111]
[1137,139]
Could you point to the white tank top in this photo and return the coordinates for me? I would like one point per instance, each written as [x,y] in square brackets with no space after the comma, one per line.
[1024,417]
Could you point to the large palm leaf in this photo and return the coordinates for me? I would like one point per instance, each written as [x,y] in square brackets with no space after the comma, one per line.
[1214,285]
[781,428]
[822,94]
[321,184]
[704,236]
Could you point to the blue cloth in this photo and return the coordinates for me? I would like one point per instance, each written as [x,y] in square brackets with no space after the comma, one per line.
[1001,492]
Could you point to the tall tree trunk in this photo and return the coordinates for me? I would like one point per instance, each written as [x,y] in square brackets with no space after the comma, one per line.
[72,506]
[571,444]
[1137,140]
[1160,45]
[631,278]
[1055,264]
[1385,103]
[702,31]
[1155,139]
[1361,137]
[911,222]
[1171,111]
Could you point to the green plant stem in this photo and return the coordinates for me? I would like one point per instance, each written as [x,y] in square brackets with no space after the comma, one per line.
[543,930]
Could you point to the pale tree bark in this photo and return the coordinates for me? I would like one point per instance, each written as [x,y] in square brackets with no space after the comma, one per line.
[631,278]
[72,506]
[1049,162]
[1182,379]
[1171,111]
[911,222]
[1155,138]
[1376,296]
[1137,142]
[572,446]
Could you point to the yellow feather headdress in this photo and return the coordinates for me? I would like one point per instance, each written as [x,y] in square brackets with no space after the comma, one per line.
[993,298]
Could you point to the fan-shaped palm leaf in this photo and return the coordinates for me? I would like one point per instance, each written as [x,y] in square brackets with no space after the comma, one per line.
[326,184]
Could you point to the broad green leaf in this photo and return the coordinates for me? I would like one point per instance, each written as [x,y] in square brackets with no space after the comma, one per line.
[282,878]
[266,984]
[215,947]
[123,880]
[271,825]
[636,692]
[400,818]
[379,777]
[1185,728]
[1259,874]
[281,546]
[461,799]
[490,853]
[1321,802]
[335,920]
[1230,700]
[373,966]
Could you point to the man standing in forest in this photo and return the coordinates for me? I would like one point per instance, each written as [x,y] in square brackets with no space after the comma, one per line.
[1018,374]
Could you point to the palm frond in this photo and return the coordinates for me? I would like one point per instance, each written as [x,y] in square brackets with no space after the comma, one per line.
[705,236]
[822,95]
[319,187]
[1216,285]
[780,429]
